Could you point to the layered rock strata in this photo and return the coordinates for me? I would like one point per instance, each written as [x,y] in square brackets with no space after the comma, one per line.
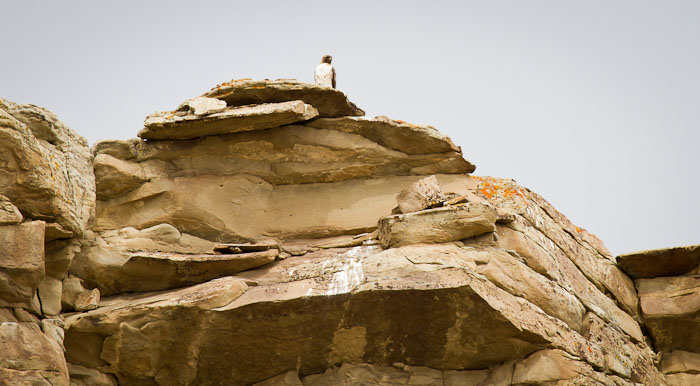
[668,283]
[266,233]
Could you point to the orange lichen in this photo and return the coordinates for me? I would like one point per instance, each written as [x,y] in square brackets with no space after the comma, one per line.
[500,189]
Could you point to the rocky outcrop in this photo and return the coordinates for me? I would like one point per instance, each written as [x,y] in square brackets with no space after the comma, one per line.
[46,167]
[252,236]
[327,101]
[187,125]
[660,262]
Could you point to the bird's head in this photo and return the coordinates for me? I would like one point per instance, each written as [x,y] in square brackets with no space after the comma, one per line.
[326,59]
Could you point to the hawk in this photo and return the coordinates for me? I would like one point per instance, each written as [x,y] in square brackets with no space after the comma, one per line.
[325,73]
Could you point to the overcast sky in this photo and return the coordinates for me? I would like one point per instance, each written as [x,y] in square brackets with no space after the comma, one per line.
[593,104]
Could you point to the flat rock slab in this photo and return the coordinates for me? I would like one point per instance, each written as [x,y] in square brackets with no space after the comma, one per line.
[186,125]
[301,319]
[438,225]
[396,135]
[159,271]
[241,248]
[328,101]
[671,311]
[660,262]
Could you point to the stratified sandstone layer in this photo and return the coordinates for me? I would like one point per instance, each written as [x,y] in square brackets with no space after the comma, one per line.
[265,233]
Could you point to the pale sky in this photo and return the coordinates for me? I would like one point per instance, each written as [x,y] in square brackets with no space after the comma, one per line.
[592,104]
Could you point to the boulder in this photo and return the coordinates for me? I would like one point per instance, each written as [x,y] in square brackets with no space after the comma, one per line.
[660,262]
[49,293]
[439,225]
[671,308]
[422,194]
[202,106]
[47,168]
[9,214]
[186,125]
[76,298]
[396,135]
[114,177]
[328,101]
[22,263]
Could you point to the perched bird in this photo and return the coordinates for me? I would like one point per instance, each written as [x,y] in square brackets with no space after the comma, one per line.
[325,73]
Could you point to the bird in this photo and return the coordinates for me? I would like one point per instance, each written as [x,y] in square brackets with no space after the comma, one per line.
[325,73]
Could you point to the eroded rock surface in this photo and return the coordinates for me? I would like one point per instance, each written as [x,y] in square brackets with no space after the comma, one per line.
[250,240]
[328,101]
[45,167]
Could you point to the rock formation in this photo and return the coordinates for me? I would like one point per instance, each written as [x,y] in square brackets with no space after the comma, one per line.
[267,233]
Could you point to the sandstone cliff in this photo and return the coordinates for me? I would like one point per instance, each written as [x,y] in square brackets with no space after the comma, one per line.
[268,233]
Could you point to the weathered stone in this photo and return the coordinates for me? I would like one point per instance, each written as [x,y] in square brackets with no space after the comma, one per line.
[58,256]
[202,106]
[671,309]
[680,361]
[439,225]
[76,298]
[54,231]
[123,150]
[598,267]
[30,357]
[47,168]
[518,279]
[211,207]
[85,349]
[9,214]
[683,379]
[660,262]
[420,195]
[546,366]
[83,376]
[622,357]
[328,101]
[427,294]
[21,263]
[546,258]
[49,293]
[180,125]
[53,328]
[114,177]
[151,271]
[395,135]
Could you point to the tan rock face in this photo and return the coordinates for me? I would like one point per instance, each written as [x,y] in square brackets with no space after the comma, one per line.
[660,262]
[45,167]
[22,263]
[244,208]
[29,357]
[439,225]
[328,101]
[184,125]
[378,306]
